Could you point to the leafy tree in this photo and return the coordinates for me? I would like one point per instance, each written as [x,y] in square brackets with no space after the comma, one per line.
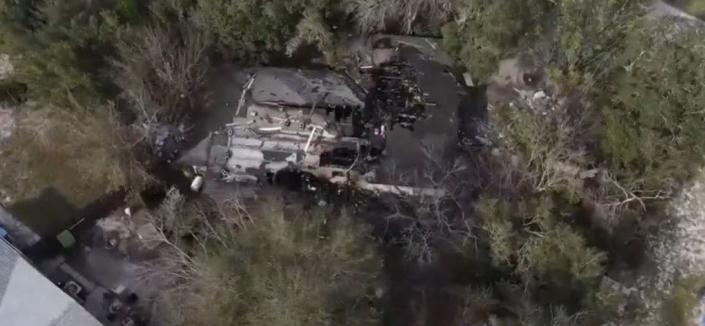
[697,8]
[544,247]
[653,107]
[485,32]
[256,29]
[21,15]
[131,10]
[403,15]
[680,304]
[312,29]
[631,94]
[161,69]
[498,223]
[59,48]
[531,240]
[559,254]
[274,267]
[589,35]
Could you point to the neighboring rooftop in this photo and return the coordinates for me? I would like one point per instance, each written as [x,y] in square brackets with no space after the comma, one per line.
[27,298]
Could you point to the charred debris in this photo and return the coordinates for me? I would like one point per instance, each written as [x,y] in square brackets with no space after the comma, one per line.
[307,128]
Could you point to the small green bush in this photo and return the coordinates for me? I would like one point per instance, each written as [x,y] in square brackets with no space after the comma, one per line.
[679,307]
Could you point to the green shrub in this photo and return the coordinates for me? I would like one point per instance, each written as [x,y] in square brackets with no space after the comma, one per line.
[279,267]
[679,307]
[697,8]
[59,48]
[653,107]
[485,32]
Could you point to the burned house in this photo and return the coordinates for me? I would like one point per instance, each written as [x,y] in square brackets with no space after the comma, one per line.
[314,125]
[291,120]
[350,127]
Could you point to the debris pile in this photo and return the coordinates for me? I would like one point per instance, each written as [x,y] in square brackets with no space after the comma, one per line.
[538,101]
[129,234]
[167,142]
[395,97]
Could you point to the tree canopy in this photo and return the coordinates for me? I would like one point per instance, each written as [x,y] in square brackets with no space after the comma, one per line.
[581,165]
[276,266]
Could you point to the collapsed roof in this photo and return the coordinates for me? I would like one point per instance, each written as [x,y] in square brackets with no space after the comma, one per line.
[247,153]
[374,123]
[303,88]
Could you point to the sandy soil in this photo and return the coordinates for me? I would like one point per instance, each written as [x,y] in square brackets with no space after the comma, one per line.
[680,249]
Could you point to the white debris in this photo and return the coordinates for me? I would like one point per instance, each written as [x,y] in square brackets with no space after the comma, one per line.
[197,183]
[6,67]
[117,226]
[589,174]
[537,101]
[7,123]
[468,79]
[539,95]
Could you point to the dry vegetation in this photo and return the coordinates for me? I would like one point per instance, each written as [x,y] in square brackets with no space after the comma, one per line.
[408,15]
[80,156]
[161,70]
[277,266]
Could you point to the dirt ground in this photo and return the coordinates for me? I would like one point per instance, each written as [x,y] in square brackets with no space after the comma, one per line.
[679,250]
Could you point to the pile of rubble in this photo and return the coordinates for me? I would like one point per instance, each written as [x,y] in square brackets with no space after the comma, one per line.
[395,97]
[538,101]
[128,233]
